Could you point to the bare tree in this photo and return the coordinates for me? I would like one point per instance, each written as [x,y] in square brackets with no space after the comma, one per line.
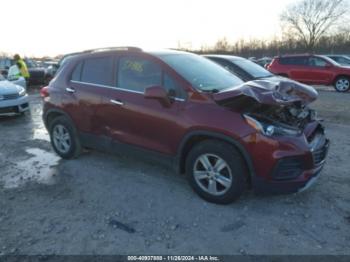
[222,44]
[309,20]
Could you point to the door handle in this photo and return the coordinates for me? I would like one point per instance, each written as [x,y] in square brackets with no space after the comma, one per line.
[117,102]
[70,90]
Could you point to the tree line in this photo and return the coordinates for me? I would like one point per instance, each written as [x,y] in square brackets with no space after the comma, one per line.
[335,44]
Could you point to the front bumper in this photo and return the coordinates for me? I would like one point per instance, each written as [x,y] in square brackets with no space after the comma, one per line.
[14,106]
[293,164]
[306,180]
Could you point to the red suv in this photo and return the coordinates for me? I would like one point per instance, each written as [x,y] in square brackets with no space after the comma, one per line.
[312,69]
[185,110]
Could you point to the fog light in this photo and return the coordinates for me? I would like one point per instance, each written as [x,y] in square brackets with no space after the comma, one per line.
[270,130]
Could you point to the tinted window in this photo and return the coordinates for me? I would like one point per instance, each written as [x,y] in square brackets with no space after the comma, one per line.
[294,60]
[76,75]
[136,73]
[231,67]
[98,71]
[317,62]
[252,68]
[202,73]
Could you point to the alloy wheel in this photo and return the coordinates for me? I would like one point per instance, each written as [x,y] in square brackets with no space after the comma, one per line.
[343,84]
[212,174]
[61,139]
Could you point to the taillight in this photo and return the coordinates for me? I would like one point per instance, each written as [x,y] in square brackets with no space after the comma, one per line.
[44,92]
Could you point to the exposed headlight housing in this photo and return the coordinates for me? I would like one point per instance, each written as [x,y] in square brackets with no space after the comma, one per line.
[271,129]
[22,92]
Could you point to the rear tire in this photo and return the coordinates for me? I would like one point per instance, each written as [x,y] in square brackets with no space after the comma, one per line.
[342,84]
[64,138]
[216,171]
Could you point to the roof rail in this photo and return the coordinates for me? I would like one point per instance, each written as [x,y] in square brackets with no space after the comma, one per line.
[296,54]
[114,48]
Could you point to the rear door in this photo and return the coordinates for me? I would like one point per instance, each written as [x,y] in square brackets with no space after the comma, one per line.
[129,117]
[297,67]
[82,97]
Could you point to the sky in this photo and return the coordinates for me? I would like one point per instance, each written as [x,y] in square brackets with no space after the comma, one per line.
[52,27]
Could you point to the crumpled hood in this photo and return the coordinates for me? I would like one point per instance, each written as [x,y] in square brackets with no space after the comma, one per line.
[7,88]
[272,92]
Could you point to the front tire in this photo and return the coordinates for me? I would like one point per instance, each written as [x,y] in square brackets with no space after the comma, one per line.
[342,84]
[64,138]
[216,171]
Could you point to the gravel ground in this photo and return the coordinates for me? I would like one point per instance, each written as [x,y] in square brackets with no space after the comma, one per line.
[104,204]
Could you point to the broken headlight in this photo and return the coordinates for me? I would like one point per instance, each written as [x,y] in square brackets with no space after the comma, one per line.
[271,129]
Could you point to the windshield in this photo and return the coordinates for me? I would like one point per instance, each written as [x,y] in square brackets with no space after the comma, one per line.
[202,73]
[341,60]
[251,68]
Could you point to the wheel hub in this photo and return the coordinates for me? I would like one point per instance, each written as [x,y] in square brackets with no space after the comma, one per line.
[212,174]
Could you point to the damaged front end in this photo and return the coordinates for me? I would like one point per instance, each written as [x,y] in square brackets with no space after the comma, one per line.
[273,108]
[289,141]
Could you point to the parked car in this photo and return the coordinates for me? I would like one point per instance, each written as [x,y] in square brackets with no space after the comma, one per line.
[13,98]
[243,68]
[312,69]
[185,110]
[51,67]
[264,62]
[340,59]
[38,75]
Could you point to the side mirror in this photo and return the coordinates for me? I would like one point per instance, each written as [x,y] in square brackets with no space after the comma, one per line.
[158,93]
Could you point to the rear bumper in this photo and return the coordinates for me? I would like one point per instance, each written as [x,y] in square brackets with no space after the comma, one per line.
[14,106]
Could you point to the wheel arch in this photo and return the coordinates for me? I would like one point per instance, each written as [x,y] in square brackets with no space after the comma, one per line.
[52,114]
[339,76]
[195,137]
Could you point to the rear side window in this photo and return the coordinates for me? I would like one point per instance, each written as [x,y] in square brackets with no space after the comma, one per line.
[76,75]
[98,71]
[136,74]
[298,60]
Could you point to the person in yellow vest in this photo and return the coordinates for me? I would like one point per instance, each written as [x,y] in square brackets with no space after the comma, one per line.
[22,67]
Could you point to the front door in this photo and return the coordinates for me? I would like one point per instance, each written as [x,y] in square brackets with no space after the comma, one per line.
[131,118]
[320,71]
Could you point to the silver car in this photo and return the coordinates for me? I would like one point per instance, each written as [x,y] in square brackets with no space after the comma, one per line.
[13,98]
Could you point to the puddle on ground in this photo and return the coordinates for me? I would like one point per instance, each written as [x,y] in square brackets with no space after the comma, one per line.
[41,134]
[39,168]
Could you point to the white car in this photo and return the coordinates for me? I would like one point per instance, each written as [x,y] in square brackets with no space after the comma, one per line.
[13,98]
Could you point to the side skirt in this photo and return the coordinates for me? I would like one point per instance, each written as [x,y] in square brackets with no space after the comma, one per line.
[106,144]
